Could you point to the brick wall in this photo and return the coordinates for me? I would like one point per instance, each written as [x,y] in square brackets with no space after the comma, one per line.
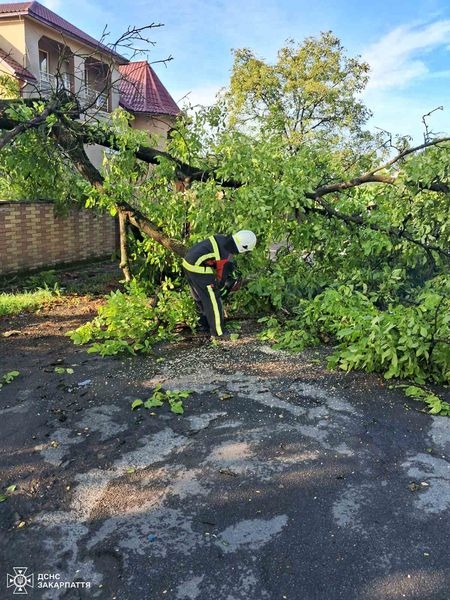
[32,236]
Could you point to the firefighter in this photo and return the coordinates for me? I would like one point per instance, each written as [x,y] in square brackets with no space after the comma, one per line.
[209,267]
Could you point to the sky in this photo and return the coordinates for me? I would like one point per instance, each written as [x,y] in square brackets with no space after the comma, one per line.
[405,42]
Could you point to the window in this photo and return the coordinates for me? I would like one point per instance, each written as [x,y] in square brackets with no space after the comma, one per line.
[65,74]
[43,61]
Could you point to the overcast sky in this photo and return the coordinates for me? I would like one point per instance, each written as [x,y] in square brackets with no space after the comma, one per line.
[406,43]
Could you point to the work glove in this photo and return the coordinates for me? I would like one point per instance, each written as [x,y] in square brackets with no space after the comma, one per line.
[232,284]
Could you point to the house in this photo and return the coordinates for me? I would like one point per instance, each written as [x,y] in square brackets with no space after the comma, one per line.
[144,96]
[46,53]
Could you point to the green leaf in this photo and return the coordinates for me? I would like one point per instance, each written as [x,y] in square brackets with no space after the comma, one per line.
[176,406]
[11,488]
[62,370]
[153,402]
[136,403]
[415,392]
[8,377]
[3,497]
[175,394]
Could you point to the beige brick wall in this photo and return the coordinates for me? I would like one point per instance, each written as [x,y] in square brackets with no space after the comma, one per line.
[32,236]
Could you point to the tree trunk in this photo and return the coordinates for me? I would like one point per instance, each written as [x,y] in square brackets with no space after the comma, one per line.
[74,149]
[124,260]
[141,222]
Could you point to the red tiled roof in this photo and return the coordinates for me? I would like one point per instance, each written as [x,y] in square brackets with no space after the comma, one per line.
[141,91]
[51,19]
[18,70]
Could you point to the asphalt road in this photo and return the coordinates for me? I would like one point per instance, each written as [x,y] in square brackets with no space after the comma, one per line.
[281,480]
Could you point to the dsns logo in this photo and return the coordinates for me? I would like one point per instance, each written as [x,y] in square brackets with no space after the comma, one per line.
[20,580]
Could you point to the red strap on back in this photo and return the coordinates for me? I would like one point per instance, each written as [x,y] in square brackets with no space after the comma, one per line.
[219,267]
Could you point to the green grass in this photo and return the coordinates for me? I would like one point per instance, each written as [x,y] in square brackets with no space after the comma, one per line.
[15,303]
[28,292]
[94,278]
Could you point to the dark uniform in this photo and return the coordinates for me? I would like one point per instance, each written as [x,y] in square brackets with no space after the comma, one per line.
[207,266]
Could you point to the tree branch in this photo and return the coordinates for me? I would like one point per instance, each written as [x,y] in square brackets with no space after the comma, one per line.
[139,220]
[73,147]
[124,261]
[72,142]
[357,220]
[8,137]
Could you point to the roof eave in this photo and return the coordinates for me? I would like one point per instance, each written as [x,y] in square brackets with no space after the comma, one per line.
[147,113]
[100,49]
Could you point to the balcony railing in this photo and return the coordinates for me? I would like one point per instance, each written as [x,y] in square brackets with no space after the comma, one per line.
[52,83]
[89,97]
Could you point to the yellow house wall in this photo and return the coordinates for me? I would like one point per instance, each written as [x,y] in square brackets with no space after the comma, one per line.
[21,38]
[12,40]
[154,125]
[34,32]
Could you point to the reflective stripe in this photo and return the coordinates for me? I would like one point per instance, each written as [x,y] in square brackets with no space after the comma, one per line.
[204,257]
[215,247]
[197,269]
[215,254]
[216,310]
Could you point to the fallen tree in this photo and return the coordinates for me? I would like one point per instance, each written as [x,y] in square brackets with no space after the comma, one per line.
[361,227]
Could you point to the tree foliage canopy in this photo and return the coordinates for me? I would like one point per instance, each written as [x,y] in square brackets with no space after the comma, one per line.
[353,234]
[311,90]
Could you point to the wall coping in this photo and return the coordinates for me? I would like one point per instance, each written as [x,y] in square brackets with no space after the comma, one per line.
[23,201]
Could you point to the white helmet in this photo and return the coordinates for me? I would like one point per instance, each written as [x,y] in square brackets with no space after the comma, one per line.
[245,240]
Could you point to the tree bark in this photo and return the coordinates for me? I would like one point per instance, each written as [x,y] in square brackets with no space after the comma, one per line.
[139,220]
[124,260]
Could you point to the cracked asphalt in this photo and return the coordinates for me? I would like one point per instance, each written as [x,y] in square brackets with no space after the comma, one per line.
[281,480]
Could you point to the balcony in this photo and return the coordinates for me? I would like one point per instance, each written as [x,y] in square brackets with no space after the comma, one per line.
[92,98]
[88,96]
[50,84]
